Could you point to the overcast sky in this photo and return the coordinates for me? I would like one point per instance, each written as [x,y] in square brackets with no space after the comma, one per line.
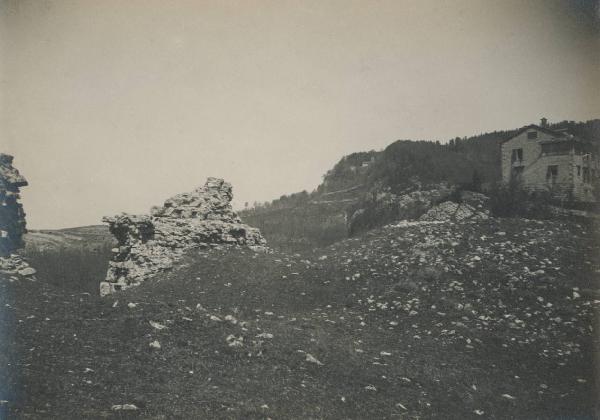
[113,106]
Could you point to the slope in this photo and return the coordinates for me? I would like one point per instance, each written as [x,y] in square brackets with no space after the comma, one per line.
[435,320]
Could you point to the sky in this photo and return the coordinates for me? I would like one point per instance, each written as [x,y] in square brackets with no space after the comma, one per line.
[112,106]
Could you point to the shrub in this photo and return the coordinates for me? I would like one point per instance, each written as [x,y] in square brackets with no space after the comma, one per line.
[513,200]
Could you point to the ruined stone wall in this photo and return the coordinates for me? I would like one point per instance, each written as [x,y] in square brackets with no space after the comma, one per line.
[12,219]
[150,244]
[12,216]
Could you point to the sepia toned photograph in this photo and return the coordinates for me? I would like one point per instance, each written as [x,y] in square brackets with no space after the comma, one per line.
[310,209]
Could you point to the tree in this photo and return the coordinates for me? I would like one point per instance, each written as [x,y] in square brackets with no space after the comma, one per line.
[476,181]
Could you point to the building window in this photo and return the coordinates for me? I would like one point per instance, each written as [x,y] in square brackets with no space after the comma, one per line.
[532,135]
[586,174]
[563,148]
[552,173]
[516,156]
[578,170]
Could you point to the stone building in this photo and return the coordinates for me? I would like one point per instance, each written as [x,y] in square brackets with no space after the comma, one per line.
[554,161]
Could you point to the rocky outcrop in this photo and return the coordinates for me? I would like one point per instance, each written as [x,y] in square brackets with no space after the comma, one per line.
[382,207]
[150,244]
[472,206]
[12,220]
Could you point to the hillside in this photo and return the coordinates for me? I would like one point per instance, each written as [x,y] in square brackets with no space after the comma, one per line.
[403,166]
[457,161]
[71,258]
[419,320]
[92,236]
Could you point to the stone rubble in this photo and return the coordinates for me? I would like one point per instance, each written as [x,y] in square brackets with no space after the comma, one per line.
[150,244]
[12,221]
[449,210]
[14,265]
[472,206]
[418,202]
[478,280]
[387,206]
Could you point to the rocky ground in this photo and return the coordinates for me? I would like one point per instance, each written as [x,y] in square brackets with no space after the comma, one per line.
[478,319]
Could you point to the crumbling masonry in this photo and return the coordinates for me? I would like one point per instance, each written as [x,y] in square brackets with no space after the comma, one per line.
[150,244]
[12,219]
[12,216]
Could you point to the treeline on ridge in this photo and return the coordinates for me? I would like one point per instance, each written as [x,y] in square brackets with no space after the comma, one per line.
[319,217]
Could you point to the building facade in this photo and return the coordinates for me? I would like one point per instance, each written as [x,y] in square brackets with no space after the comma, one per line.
[554,161]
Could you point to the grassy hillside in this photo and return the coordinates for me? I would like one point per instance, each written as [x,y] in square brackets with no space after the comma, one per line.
[71,258]
[93,237]
[301,227]
[474,320]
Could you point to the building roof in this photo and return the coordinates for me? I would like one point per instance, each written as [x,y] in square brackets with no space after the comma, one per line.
[558,136]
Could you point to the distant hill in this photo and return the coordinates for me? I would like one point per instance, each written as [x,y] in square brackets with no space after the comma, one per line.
[95,236]
[319,218]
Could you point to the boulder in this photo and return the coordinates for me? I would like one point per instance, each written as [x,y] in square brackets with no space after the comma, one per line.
[27,271]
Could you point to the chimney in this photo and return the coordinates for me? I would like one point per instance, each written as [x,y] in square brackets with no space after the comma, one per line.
[544,122]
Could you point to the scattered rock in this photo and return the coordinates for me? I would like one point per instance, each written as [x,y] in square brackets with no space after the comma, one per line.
[124,407]
[157,325]
[312,359]
[14,264]
[233,341]
[27,271]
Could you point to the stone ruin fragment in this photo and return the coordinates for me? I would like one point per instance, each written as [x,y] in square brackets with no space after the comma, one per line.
[472,206]
[150,244]
[12,219]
